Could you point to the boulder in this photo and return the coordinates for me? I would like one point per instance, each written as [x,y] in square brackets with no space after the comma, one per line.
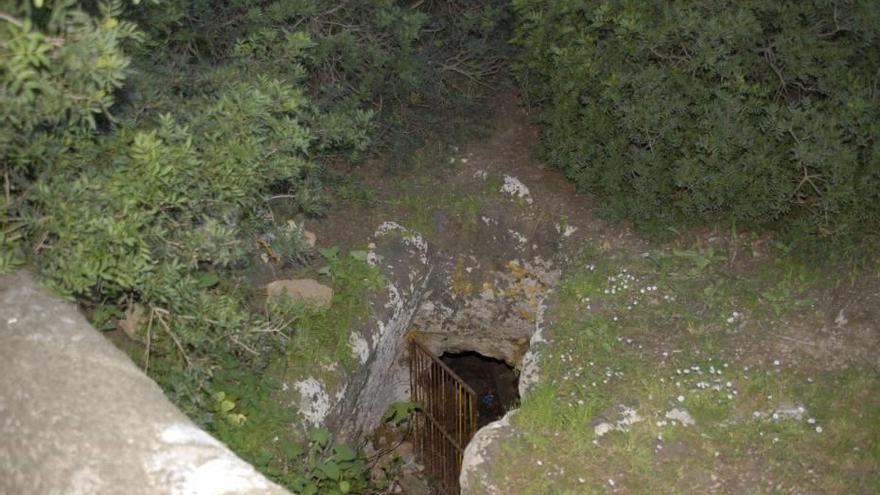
[309,291]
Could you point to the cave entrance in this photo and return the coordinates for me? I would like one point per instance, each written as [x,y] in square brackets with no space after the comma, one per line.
[495,383]
[457,393]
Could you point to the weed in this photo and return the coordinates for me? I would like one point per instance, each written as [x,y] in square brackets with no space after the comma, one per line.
[350,189]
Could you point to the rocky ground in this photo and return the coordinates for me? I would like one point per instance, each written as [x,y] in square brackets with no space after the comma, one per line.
[715,363]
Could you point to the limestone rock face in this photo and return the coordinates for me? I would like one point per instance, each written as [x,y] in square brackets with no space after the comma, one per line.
[77,417]
[402,257]
[481,453]
[307,290]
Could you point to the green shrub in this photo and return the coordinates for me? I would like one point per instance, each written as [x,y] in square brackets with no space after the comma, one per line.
[762,112]
[142,167]
[59,67]
[417,68]
[249,418]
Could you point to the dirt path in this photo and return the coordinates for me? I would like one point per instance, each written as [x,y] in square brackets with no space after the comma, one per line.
[510,150]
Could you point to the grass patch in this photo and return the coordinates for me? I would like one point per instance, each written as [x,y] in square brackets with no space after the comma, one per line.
[320,346]
[662,335]
[422,199]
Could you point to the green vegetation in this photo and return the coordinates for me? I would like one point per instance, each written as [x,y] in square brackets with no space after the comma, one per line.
[759,112]
[321,339]
[258,428]
[152,151]
[685,329]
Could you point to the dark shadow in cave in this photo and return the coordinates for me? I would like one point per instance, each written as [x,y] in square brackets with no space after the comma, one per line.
[495,382]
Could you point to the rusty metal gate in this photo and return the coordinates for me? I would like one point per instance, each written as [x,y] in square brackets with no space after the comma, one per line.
[447,419]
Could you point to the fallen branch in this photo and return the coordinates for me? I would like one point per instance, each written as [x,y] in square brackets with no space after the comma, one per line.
[15,21]
[804,342]
[149,342]
[160,312]
[245,347]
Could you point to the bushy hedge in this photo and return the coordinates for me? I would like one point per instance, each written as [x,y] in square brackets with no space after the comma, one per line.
[145,148]
[761,112]
[414,64]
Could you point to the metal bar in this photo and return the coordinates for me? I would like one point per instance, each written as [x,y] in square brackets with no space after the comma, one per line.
[447,420]
[443,365]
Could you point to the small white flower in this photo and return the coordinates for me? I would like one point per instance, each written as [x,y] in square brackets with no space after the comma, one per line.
[818,429]
[610,481]
[681,398]
[776,362]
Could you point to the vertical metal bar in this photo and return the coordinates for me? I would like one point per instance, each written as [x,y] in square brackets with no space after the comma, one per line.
[447,420]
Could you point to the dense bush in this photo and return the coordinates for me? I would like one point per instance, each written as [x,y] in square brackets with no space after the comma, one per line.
[146,146]
[760,112]
[416,68]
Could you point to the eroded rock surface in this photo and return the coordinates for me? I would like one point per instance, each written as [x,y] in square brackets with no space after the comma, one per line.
[479,455]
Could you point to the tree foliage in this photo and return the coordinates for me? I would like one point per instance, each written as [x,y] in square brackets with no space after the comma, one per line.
[761,112]
[146,147]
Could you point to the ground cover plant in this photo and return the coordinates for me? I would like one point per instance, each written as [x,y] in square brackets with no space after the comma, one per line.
[683,371]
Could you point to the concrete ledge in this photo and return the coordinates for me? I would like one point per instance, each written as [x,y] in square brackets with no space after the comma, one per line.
[78,417]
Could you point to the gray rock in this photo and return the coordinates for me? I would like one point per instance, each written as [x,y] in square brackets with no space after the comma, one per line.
[681,415]
[480,454]
[789,411]
[77,417]
[411,484]
[307,290]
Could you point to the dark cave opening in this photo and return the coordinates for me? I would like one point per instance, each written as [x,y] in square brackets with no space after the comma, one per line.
[495,382]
